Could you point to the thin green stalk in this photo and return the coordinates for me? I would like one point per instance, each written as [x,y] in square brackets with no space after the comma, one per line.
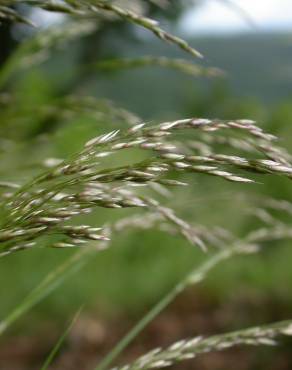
[177,64]
[49,283]
[194,277]
[60,341]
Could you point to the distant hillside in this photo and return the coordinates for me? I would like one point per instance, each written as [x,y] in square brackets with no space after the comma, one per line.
[257,66]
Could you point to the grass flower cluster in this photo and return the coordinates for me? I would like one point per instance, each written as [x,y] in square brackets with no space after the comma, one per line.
[78,185]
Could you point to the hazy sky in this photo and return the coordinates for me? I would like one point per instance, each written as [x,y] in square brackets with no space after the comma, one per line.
[215,16]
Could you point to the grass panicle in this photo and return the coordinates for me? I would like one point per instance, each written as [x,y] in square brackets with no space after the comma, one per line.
[190,348]
[80,184]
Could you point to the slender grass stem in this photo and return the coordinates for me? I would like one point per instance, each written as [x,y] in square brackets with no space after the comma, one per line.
[60,341]
[47,285]
[195,276]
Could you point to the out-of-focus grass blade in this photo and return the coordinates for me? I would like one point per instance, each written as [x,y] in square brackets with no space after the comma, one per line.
[246,16]
[178,64]
[195,276]
[37,49]
[47,285]
[60,341]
